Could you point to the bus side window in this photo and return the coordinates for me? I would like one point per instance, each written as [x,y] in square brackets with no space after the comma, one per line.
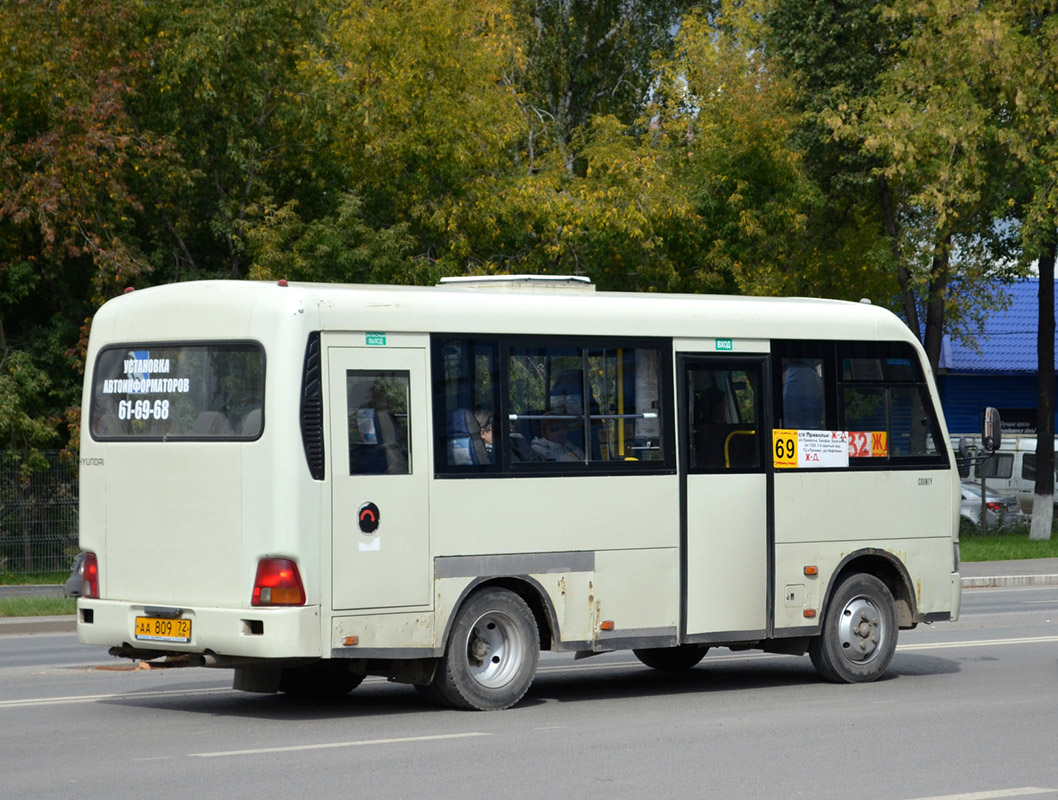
[465,392]
[883,397]
[507,405]
[378,422]
[725,419]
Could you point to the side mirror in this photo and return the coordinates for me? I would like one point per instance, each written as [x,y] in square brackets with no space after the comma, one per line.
[964,458]
[991,429]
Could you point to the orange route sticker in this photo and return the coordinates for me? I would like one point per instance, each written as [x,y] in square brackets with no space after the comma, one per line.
[868,444]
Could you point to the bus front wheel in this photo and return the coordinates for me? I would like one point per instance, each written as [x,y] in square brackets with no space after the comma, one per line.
[492,652]
[858,637]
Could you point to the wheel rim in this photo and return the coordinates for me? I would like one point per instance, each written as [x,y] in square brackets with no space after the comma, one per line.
[861,630]
[495,651]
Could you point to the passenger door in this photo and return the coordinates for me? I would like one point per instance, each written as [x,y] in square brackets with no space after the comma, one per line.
[725,539]
[379,466]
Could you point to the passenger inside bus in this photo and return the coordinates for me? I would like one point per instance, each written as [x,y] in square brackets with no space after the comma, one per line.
[554,442]
[802,394]
[466,444]
[567,397]
[484,419]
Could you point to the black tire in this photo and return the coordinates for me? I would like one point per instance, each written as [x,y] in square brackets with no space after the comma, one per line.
[324,679]
[858,637]
[672,659]
[492,652]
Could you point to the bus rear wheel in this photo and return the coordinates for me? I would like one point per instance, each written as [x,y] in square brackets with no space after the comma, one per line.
[492,652]
[672,659]
[858,637]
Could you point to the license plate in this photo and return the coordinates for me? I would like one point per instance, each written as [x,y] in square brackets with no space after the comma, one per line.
[160,629]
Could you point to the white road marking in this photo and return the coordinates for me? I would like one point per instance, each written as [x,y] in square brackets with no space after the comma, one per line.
[1024,791]
[95,698]
[978,643]
[332,745]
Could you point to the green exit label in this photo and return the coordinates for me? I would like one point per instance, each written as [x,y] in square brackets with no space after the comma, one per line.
[375,339]
[725,344]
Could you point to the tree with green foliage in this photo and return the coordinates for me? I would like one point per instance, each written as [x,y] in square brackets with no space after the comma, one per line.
[25,423]
[966,120]
[134,139]
[1026,69]
[68,205]
[980,98]
[588,59]
[414,109]
[727,124]
[226,86]
[929,177]
[753,146]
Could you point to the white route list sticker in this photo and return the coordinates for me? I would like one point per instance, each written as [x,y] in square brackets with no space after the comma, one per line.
[800,449]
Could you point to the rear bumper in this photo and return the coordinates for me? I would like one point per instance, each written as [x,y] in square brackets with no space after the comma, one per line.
[266,633]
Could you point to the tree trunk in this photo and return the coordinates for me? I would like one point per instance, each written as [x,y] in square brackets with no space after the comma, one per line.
[935,302]
[903,274]
[1043,498]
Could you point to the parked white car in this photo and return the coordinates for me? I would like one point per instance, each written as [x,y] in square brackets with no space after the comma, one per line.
[72,587]
[1002,511]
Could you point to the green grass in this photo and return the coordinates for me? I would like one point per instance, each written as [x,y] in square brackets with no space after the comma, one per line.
[32,578]
[1005,546]
[37,606]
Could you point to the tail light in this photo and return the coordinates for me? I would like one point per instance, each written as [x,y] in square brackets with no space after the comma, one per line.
[996,507]
[90,577]
[278,583]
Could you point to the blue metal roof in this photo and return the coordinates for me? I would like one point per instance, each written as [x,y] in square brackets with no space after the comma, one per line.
[1007,342]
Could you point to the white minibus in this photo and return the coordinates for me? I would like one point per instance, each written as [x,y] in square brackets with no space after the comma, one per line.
[309,484]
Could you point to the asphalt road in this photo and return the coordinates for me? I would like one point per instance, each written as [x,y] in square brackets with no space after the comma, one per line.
[969,710]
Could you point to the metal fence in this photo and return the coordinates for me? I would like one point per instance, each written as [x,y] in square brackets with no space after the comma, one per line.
[38,516]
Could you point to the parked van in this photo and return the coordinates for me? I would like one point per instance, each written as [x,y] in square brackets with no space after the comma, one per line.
[1011,469]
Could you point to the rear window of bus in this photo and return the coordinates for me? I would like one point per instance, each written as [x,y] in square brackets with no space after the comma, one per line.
[178,391]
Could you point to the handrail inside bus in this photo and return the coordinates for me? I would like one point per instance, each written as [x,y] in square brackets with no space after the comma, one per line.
[727,444]
[644,415]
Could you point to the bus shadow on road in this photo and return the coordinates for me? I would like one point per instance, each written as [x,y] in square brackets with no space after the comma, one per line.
[563,683]
[719,676]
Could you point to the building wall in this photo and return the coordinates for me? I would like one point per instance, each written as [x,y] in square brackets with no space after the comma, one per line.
[964,396]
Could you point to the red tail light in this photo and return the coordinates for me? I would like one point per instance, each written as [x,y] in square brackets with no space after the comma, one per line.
[278,583]
[996,507]
[90,577]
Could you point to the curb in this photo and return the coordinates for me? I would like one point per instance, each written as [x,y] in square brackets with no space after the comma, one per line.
[1009,580]
[26,625]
